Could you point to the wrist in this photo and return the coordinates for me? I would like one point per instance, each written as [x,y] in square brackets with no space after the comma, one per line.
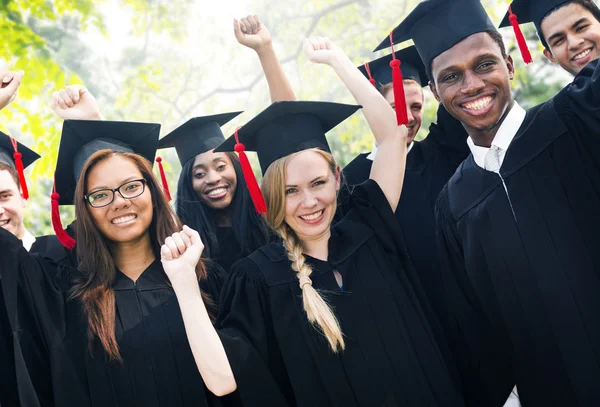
[265,50]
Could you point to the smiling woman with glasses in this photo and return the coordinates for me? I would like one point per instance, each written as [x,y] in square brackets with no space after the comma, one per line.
[112,330]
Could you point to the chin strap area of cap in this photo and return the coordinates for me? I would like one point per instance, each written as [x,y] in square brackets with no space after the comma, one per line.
[368,69]
[255,193]
[522,43]
[163,178]
[61,234]
[398,84]
[20,168]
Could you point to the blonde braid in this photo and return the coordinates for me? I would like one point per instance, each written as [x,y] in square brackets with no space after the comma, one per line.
[317,310]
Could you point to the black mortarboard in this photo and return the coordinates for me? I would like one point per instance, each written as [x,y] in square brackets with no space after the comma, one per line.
[287,127]
[82,138]
[437,25]
[7,151]
[535,11]
[197,136]
[411,65]
[17,156]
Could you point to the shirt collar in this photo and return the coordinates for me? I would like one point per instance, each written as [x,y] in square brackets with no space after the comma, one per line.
[505,135]
[27,240]
[373,153]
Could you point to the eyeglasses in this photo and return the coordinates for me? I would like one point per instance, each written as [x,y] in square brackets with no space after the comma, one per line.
[104,197]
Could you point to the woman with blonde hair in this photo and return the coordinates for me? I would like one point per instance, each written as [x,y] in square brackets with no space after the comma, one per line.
[333,315]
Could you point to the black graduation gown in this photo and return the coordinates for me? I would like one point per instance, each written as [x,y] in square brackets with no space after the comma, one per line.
[9,395]
[229,248]
[429,165]
[391,356]
[158,366]
[522,257]
[50,248]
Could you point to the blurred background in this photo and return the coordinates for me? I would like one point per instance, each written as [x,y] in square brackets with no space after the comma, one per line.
[167,61]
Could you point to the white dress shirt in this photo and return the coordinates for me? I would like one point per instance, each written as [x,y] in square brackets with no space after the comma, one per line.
[506,133]
[27,240]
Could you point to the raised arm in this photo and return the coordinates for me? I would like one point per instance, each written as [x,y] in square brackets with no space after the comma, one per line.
[9,84]
[252,33]
[180,255]
[390,162]
[75,102]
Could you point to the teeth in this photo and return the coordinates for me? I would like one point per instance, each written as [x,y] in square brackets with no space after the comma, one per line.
[4,222]
[583,54]
[313,216]
[217,191]
[479,104]
[124,219]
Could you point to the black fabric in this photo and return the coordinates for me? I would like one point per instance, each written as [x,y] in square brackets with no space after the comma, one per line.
[391,356]
[522,255]
[229,248]
[196,136]
[158,366]
[50,248]
[429,165]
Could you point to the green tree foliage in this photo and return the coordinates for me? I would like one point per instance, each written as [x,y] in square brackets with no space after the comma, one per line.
[167,61]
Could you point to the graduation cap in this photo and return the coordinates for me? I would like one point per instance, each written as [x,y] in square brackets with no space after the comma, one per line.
[284,128]
[82,138]
[436,26]
[379,71]
[196,136]
[17,156]
[529,11]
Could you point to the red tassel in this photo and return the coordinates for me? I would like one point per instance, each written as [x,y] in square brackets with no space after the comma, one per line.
[398,84]
[163,178]
[61,234]
[368,69]
[255,193]
[520,37]
[20,168]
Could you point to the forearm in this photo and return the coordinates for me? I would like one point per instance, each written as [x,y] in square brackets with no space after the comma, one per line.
[279,86]
[204,341]
[377,111]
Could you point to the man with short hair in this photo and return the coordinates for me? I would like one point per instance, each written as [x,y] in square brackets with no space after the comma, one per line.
[568,29]
[12,203]
[518,222]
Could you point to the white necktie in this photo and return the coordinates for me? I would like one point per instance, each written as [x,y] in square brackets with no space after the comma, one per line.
[492,159]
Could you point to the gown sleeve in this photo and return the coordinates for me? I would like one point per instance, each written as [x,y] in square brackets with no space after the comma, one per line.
[245,329]
[213,283]
[584,93]
[33,305]
[370,207]
[483,361]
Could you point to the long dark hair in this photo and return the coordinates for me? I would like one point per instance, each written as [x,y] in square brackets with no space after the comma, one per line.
[249,229]
[96,263]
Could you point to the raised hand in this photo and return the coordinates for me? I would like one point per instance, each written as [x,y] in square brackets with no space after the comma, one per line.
[9,84]
[75,102]
[250,32]
[321,50]
[179,256]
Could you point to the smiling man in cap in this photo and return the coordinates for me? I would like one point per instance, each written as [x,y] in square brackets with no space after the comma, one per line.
[569,30]
[518,222]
